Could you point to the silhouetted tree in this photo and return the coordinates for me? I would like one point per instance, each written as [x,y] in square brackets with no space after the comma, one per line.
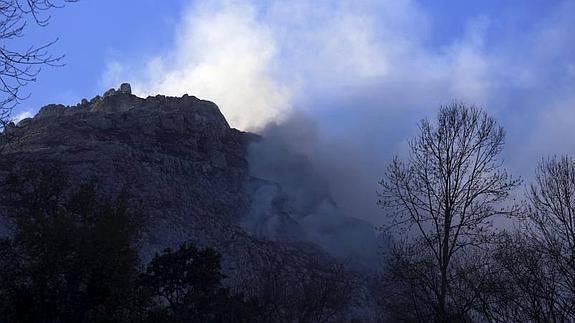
[70,258]
[551,223]
[187,286]
[523,287]
[443,199]
[19,64]
[314,291]
[326,291]
[536,265]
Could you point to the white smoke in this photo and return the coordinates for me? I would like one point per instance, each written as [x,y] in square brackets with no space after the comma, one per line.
[222,54]
[366,71]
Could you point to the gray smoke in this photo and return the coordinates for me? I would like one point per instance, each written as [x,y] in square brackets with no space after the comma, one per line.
[364,73]
[292,197]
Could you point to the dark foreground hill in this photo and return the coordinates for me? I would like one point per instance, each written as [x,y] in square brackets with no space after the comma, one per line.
[181,163]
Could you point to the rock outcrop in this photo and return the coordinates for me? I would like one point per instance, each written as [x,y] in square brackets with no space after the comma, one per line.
[180,161]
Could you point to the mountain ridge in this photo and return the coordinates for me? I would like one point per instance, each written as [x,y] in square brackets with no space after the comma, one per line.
[182,163]
[180,153]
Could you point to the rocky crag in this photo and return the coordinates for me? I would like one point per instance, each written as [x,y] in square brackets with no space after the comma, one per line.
[183,164]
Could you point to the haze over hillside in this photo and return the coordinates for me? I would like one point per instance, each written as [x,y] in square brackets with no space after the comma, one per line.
[179,160]
[314,161]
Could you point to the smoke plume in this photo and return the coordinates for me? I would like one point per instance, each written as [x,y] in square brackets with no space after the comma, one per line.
[337,88]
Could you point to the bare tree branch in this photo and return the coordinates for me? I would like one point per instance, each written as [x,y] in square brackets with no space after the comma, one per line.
[446,194]
[18,66]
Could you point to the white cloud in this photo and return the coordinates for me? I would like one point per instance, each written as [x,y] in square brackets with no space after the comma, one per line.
[23,115]
[470,67]
[256,61]
[367,71]
[113,75]
[222,54]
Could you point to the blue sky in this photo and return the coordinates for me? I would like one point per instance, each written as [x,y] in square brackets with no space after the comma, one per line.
[93,33]
[364,71]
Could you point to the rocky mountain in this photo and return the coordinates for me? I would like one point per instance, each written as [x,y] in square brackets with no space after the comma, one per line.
[182,164]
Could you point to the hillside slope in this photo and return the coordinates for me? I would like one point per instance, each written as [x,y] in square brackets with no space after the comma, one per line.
[180,162]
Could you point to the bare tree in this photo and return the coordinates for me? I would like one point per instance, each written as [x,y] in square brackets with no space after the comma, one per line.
[403,286]
[445,196]
[533,268]
[524,284]
[315,291]
[20,65]
[551,225]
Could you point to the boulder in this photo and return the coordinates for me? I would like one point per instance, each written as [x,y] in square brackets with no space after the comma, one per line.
[125,88]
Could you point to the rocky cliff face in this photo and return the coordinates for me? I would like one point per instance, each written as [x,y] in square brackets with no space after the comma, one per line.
[181,163]
[178,159]
[176,155]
